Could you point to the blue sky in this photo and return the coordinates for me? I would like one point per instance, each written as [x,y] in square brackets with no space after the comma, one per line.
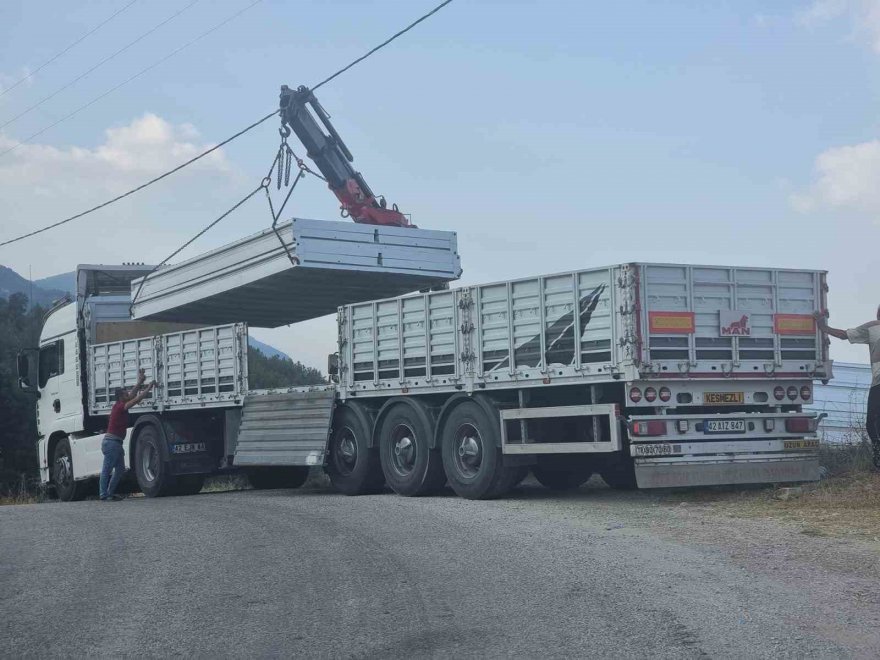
[549,135]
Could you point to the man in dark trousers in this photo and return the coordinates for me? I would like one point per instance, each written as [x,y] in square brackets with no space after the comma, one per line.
[867,333]
[111,446]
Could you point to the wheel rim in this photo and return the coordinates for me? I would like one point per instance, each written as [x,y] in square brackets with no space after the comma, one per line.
[150,461]
[345,451]
[403,449]
[63,471]
[468,451]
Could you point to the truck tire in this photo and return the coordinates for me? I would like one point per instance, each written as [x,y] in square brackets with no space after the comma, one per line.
[153,474]
[472,455]
[410,466]
[269,478]
[189,484]
[562,473]
[619,473]
[353,466]
[67,489]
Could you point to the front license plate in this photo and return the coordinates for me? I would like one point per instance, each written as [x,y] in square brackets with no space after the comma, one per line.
[724,426]
[801,444]
[655,450]
[723,398]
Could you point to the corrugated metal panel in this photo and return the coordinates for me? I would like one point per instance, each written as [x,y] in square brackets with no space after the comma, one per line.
[285,429]
[321,266]
[844,400]
[758,294]
[204,367]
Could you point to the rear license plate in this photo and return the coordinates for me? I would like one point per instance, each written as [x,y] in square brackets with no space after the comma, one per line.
[664,449]
[724,426]
[188,448]
[723,398]
[801,444]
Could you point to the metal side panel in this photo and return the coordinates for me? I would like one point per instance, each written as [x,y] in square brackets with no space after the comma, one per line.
[756,470]
[285,429]
[319,266]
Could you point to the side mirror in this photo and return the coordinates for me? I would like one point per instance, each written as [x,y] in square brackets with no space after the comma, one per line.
[333,365]
[27,370]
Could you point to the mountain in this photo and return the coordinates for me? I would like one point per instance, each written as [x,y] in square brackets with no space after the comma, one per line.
[268,351]
[62,282]
[49,289]
[11,282]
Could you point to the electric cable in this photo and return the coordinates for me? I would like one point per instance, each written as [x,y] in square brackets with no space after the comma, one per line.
[31,74]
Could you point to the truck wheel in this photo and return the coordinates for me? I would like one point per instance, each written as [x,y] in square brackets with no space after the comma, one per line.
[471,455]
[353,467]
[153,474]
[410,466]
[67,489]
[269,478]
[619,473]
[562,472]
[189,484]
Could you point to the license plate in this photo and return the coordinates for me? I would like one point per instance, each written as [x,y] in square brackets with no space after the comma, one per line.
[801,444]
[723,398]
[188,448]
[655,450]
[724,426]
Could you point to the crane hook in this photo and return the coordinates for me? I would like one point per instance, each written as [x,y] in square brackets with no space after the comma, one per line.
[284,131]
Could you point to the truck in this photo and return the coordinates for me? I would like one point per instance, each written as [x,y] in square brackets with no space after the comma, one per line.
[650,375]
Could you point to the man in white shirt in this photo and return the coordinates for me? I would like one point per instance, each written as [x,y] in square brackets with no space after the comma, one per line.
[867,333]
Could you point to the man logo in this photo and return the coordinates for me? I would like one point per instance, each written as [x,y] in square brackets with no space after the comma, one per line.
[734,324]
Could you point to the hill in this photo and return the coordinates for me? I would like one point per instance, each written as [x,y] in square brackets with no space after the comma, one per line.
[11,282]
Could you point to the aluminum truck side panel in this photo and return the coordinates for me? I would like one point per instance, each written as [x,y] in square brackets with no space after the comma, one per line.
[710,321]
[194,368]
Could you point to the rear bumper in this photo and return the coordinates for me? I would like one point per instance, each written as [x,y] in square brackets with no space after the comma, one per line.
[660,473]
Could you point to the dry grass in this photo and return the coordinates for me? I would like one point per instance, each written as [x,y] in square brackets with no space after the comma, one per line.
[844,504]
[24,492]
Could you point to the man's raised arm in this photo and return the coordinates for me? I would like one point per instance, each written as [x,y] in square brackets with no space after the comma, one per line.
[821,321]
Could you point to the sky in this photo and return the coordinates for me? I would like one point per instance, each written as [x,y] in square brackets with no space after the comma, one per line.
[550,136]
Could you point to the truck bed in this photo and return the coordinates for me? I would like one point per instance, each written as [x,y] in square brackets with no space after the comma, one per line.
[199,368]
[628,321]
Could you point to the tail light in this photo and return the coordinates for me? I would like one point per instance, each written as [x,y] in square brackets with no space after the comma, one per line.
[635,394]
[792,392]
[806,392]
[650,395]
[665,394]
[779,393]
[801,424]
[649,428]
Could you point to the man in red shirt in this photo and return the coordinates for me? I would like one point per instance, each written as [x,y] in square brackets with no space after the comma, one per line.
[117,427]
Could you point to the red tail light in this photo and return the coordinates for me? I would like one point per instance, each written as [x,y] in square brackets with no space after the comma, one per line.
[649,428]
[805,393]
[665,394]
[779,393]
[792,392]
[650,395]
[635,395]
[800,425]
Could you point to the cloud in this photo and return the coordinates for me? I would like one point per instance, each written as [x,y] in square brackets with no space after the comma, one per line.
[147,146]
[846,178]
[863,16]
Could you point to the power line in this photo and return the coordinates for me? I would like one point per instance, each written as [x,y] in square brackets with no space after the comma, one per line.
[130,79]
[97,66]
[142,186]
[383,44]
[56,56]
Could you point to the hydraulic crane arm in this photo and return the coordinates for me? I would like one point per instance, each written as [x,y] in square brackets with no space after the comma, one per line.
[333,159]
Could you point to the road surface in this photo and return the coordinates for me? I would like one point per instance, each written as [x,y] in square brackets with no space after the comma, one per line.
[312,573]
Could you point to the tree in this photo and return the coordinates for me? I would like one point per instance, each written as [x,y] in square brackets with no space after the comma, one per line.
[276,372]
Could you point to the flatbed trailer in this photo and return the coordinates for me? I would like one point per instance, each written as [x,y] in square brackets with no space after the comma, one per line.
[651,375]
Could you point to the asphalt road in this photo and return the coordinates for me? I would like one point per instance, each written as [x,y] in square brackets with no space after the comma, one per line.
[315,574]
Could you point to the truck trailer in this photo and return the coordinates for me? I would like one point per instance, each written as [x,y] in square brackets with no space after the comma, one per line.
[651,375]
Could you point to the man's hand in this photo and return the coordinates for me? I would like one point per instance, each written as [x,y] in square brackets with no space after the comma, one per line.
[142,376]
